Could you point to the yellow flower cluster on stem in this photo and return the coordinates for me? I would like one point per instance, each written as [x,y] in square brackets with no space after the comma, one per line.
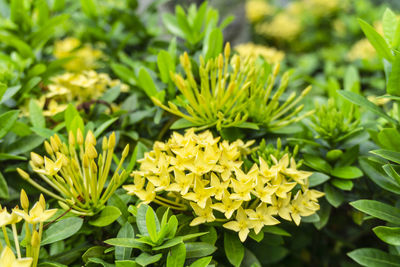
[80,57]
[78,173]
[269,54]
[202,173]
[34,219]
[233,91]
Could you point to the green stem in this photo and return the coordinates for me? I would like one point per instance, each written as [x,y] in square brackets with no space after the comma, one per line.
[6,236]
[16,241]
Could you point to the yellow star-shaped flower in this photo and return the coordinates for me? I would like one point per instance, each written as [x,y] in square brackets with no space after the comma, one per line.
[7,259]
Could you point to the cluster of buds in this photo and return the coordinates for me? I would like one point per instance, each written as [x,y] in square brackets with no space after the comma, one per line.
[197,171]
[234,92]
[34,219]
[78,173]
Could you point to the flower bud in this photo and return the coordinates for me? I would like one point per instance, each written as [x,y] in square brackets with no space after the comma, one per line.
[53,144]
[125,151]
[105,143]
[79,137]
[90,139]
[24,200]
[42,201]
[35,242]
[91,151]
[227,50]
[37,159]
[23,174]
[71,138]
[111,141]
[48,148]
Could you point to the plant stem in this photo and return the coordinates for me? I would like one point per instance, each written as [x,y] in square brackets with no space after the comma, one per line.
[16,241]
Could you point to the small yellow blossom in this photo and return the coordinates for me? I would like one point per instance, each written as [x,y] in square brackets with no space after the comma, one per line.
[242,225]
[8,259]
[81,57]
[204,214]
[8,218]
[37,214]
[282,27]
[258,9]
[361,50]
[253,51]
[262,216]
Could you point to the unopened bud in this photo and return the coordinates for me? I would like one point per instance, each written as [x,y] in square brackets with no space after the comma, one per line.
[93,166]
[48,148]
[227,50]
[125,151]
[35,242]
[91,151]
[37,159]
[111,141]
[85,161]
[220,61]
[24,200]
[105,143]
[71,138]
[63,205]
[90,139]
[53,144]
[42,201]
[79,137]
[23,174]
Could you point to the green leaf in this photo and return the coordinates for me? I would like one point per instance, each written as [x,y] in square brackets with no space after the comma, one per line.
[127,243]
[170,243]
[393,85]
[390,235]
[317,178]
[378,210]
[172,26]
[3,188]
[334,197]
[372,257]
[212,44]
[343,184]
[141,219]
[145,259]
[389,138]
[389,23]
[165,65]
[203,262]
[106,217]
[317,163]
[125,263]
[234,249]
[151,224]
[25,144]
[387,154]
[7,121]
[104,126]
[61,230]
[181,124]
[347,172]
[148,85]
[126,231]
[198,249]
[93,252]
[89,7]
[377,41]
[73,120]
[362,101]
[124,73]
[176,256]
[392,172]
[36,114]
[275,230]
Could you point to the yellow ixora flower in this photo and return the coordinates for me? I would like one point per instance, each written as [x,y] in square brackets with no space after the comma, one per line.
[221,189]
[253,51]
[258,9]
[81,57]
[7,259]
[78,173]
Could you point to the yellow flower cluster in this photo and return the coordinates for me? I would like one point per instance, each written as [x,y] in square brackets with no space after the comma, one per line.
[76,87]
[269,54]
[361,50]
[206,174]
[282,27]
[258,9]
[80,176]
[81,57]
[320,8]
[34,219]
